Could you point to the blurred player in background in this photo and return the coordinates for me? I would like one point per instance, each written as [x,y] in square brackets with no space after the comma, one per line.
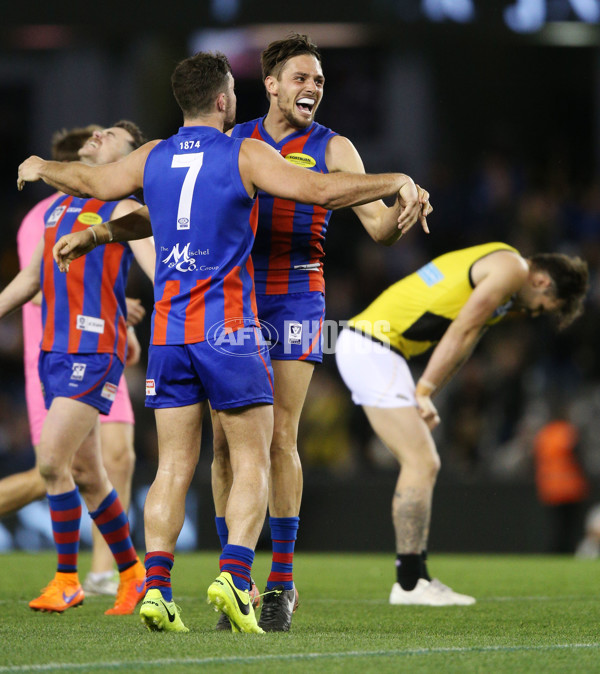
[448,304]
[82,357]
[116,429]
[204,295]
[290,293]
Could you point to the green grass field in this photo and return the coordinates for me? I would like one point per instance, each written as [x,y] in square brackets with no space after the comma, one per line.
[533,614]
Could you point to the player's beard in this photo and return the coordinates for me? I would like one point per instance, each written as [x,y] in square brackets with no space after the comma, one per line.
[295,121]
[229,122]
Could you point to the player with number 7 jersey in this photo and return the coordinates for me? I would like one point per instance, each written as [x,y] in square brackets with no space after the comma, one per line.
[208,222]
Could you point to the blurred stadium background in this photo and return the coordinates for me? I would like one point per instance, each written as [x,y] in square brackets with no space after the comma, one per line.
[493,106]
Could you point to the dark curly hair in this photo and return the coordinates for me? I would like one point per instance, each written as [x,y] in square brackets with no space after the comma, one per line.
[570,280]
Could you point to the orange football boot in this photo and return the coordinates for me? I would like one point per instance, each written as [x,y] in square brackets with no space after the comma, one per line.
[132,588]
[64,591]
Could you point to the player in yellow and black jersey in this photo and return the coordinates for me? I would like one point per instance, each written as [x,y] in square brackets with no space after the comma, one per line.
[447,304]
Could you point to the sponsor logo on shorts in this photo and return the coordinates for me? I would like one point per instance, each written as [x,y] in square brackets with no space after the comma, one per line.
[54,217]
[74,209]
[90,324]
[294,333]
[109,391]
[229,335]
[78,371]
[301,159]
[90,218]
[150,387]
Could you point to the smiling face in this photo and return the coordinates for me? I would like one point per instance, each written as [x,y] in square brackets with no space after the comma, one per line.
[106,146]
[298,90]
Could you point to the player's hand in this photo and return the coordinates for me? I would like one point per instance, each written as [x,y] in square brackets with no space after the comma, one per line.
[408,200]
[29,171]
[71,246]
[135,311]
[426,207]
[427,411]
[134,349]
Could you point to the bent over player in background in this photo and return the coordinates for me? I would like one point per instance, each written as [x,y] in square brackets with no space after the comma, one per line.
[448,304]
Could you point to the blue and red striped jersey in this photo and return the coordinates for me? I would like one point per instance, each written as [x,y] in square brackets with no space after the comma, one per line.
[204,225]
[84,311]
[288,252]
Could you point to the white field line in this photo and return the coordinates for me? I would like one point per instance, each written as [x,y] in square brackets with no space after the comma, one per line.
[195,662]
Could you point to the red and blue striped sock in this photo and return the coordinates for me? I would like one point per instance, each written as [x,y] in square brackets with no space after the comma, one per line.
[111,520]
[283,535]
[158,573]
[222,531]
[237,560]
[65,511]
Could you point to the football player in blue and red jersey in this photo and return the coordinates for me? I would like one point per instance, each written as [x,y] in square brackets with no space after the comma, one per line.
[200,186]
[83,351]
[290,292]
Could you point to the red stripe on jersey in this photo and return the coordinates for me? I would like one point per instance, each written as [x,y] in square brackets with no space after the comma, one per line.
[282,222]
[256,133]
[253,219]
[233,294]
[195,312]
[75,295]
[250,270]
[315,279]
[161,312]
[48,287]
[113,255]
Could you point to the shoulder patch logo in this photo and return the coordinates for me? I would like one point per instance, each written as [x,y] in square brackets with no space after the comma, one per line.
[301,159]
[90,218]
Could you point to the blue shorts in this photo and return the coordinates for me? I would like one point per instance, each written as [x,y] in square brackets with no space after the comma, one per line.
[293,324]
[91,378]
[230,373]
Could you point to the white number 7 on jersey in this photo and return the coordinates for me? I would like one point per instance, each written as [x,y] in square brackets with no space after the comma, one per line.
[193,162]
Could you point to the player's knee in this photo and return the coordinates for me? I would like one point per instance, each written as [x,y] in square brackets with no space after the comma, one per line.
[121,461]
[284,445]
[51,470]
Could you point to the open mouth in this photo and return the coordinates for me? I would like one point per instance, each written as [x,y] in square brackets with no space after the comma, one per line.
[305,105]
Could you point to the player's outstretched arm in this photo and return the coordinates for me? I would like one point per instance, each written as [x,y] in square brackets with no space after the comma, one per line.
[24,286]
[262,167]
[108,182]
[505,273]
[134,225]
[381,222]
